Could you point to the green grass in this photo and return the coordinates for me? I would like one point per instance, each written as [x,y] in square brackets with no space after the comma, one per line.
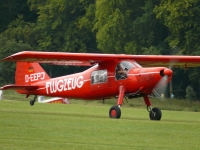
[84,125]
[167,104]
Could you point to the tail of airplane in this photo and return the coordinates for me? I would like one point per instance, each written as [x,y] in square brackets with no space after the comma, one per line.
[28,73]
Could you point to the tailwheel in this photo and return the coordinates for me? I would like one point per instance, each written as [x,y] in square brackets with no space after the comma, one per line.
[155,114]
[33,101]
[115,112]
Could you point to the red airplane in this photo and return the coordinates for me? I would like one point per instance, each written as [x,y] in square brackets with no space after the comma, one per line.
[111,75]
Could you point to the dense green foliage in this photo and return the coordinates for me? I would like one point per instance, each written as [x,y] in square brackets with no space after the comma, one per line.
[190,94]
[103,26]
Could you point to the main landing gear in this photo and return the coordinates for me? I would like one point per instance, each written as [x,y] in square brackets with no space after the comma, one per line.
[154,113]
[115,112]
[33,101]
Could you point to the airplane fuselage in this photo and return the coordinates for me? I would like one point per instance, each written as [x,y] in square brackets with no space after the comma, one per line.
[99,82]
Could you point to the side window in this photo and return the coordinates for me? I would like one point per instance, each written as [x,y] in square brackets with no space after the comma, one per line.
[99,76]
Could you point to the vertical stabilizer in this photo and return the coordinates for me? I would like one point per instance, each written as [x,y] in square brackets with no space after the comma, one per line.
[29,73]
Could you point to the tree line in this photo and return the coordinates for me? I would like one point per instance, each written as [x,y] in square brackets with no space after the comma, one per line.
[162,27]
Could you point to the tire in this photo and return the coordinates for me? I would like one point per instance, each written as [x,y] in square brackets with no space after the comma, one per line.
[115,112]
[155,114]
[31,102]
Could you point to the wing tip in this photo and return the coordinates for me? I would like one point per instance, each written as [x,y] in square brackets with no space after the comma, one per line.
[12,57]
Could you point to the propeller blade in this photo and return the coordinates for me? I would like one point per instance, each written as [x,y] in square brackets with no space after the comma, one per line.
[161,88]
[172,63]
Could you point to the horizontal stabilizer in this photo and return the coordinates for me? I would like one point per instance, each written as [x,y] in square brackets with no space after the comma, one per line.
[18,87]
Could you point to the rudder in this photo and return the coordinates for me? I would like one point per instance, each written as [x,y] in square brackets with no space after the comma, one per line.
[28,73]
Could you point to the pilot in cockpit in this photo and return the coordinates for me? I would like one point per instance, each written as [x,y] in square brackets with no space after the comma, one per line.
[120,72]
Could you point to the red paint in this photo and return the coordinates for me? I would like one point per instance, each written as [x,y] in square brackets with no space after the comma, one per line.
[35,81]
[168,72]
[121,95]
[113,113]
[99,81]
[147,100]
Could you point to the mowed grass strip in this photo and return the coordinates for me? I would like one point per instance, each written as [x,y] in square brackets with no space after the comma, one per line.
[88,127]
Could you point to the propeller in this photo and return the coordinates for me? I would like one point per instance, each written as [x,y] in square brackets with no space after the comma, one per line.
[163,81]
[161,87]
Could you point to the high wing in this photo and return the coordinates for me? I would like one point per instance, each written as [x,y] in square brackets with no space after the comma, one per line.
[88,59]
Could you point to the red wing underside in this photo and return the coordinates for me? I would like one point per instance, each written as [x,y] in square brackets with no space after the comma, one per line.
[88,59]
[18,87]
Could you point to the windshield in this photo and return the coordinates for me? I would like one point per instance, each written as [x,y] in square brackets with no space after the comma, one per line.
[136,64]
[129,65]
[122,69]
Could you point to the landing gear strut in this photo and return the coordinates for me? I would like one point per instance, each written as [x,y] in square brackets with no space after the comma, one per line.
[115,111]
[154,113]
[33,101]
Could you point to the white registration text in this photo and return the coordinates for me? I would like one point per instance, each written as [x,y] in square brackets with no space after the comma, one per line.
[34,77]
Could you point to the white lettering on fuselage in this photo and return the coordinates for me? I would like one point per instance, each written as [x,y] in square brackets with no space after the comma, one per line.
[64,84]
[35,77]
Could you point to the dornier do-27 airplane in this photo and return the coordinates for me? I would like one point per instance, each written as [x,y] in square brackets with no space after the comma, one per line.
[110,75]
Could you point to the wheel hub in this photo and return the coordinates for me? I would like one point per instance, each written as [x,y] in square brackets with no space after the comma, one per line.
[113,113]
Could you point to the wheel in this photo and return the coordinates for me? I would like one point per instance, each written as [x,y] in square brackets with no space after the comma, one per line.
[155,114]
[32,102]
[115,112]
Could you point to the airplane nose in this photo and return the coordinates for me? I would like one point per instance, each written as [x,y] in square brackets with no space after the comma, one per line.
[168,72]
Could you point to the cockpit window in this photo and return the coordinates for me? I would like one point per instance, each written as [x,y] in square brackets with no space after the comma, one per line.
[123,67]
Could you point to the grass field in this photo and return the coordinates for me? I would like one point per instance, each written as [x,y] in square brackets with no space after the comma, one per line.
[86,126]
